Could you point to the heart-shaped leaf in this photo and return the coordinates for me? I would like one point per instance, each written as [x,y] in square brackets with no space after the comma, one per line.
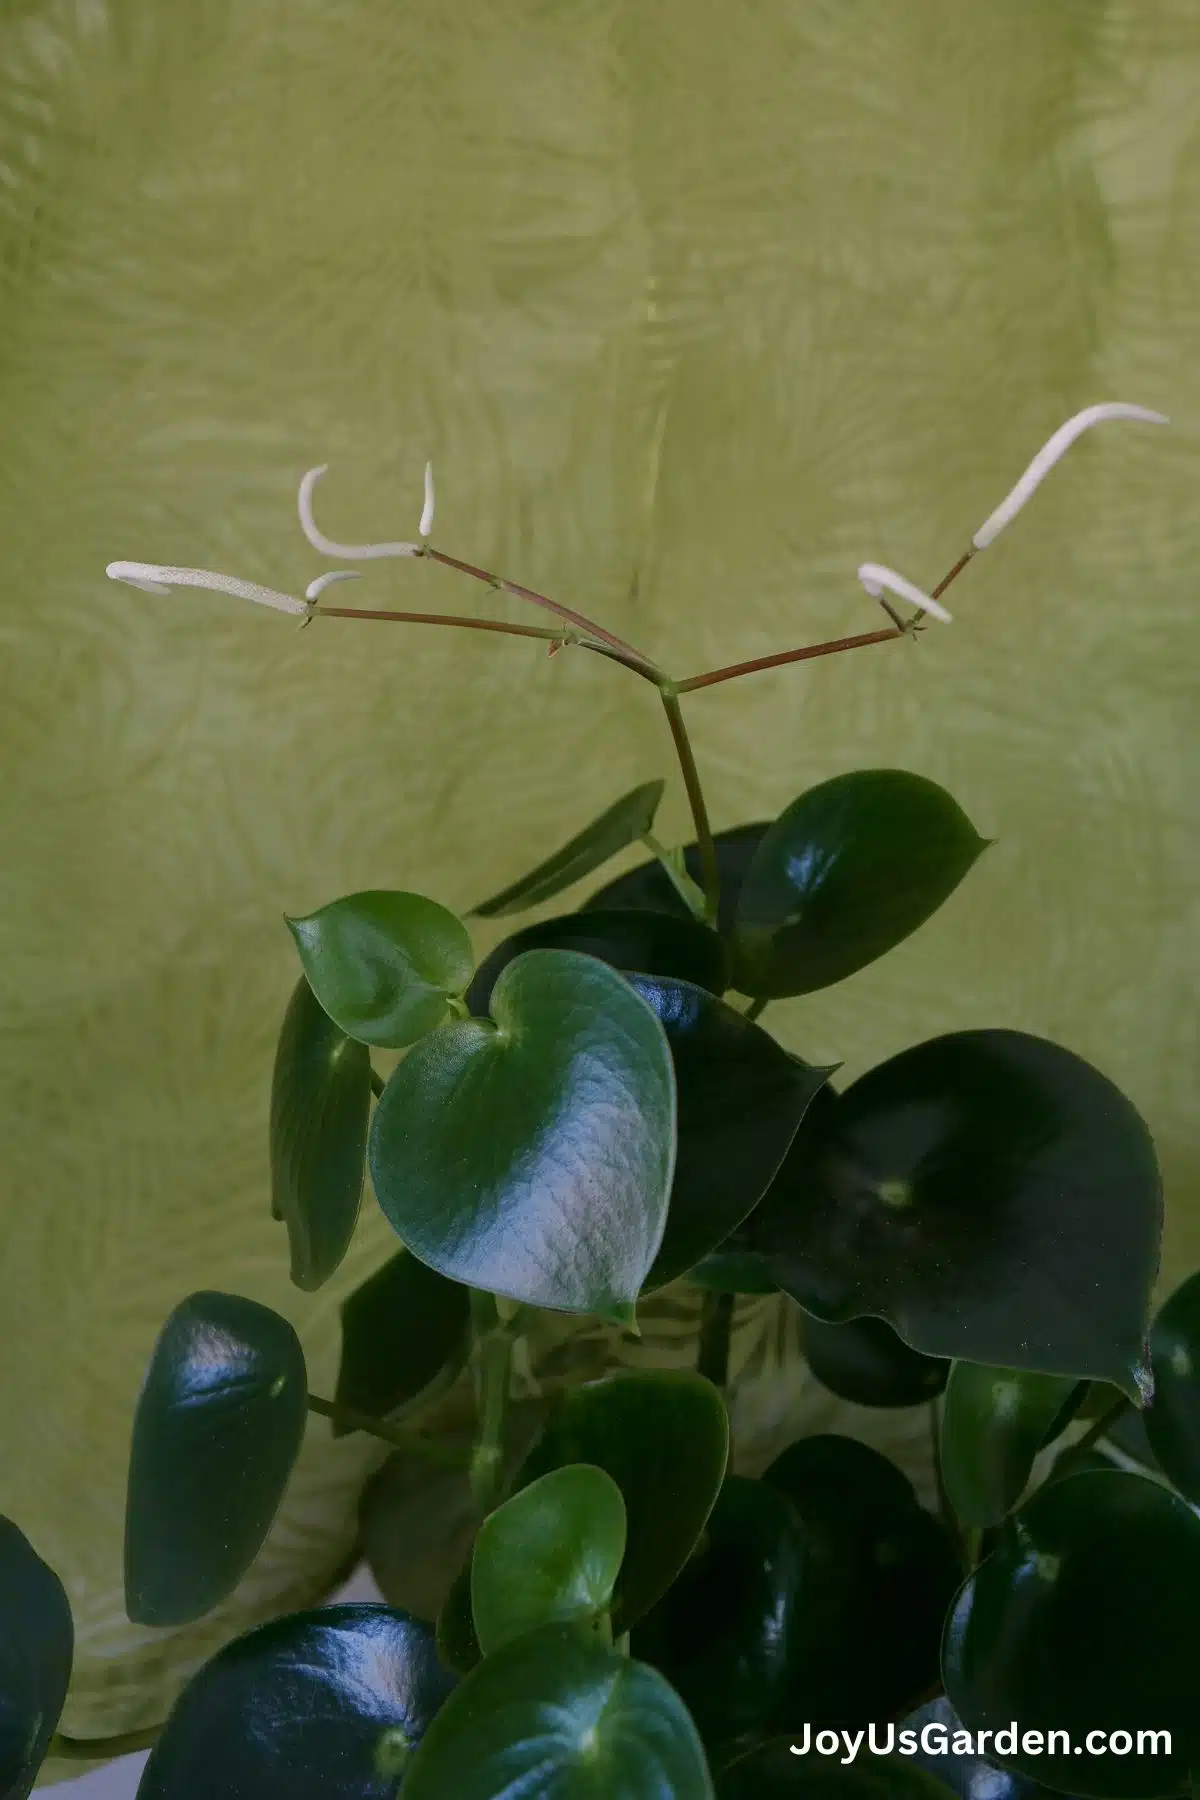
[940,1743]
[989,1194]
[721,1634]
[218,1426]
[866,1363]
[37,1646]
[649,888]
[650,943]
[663,1436]
[1172,1420]
[849,870]
[548,1556]
[559,1715]
[533,1156]
[1084,1620]
[879,1575]
[994,1422]
[773,1771]
[624,823]
[741,1099]
[385,965]
[400,1329]
[320,1108]
[318,1704]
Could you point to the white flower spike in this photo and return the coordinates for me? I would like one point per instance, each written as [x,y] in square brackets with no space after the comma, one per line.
[327,547]
[316,588]
[160,578]
[1049,454]
[875,578]
[426,525]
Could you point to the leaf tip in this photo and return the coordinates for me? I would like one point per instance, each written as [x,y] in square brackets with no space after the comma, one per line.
[624,1314]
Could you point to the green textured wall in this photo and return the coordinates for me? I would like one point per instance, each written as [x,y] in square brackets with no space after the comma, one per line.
[695,306]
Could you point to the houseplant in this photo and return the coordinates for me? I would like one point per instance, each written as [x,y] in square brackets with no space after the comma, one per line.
[575,1123]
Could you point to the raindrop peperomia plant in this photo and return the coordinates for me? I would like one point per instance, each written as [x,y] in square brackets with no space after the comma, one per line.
[577,1121]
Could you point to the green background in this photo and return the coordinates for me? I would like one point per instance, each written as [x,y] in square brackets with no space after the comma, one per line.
[695,306]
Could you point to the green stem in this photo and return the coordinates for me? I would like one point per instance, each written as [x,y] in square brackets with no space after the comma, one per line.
[1096,1430]
[125,1743]
[377,1083]
[695,794]
[493,1367]
[396,1435]
[756,1008]
[716,1332]
[974,1547]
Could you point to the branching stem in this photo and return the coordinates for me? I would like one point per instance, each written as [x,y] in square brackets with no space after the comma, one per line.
[396,1435]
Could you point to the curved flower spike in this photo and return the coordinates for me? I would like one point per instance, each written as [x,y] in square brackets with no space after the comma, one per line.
[1049,454]
[316,588]
[327,547]
[160,578]
[875,578]
[426,525]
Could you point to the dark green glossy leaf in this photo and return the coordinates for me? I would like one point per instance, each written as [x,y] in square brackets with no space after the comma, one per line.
[560,1716]
[730,1270]
[316,1705]
[722,1631]
[218,1426]
[1085,1619]
[649,887]
[741,1099]
[936,1729]
[866,1363]
[320,1109]
[400,1329]
[646,943]
[989,1194]
[663,1436]
[879,1574]
[37,1645]
[849,870]
[384,965]
[548,1556]
[624,823]
[994,1422]
[534,1156]
[774,1772]
[1172,1420]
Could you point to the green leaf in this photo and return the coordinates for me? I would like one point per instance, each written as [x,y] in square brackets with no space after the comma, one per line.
[989,1194]
[1172,1420]
[741,1099]
[548,1556]
[849,870]
[1084,1619]
[320,1108]
[772,1771]
[400,1329]
[866,1363]
[627,820]
[385,965]
[218,1426]
[649,888]
[994,1422]
[534,1156]
[721,1634]
[879,1574]
[937,1728]
[663,1436]
[560,1716]
[648,943]
[318,1704]
[37,1645]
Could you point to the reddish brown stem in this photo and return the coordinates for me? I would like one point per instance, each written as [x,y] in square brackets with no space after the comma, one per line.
[621,651]
[415,618]
[785,656]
